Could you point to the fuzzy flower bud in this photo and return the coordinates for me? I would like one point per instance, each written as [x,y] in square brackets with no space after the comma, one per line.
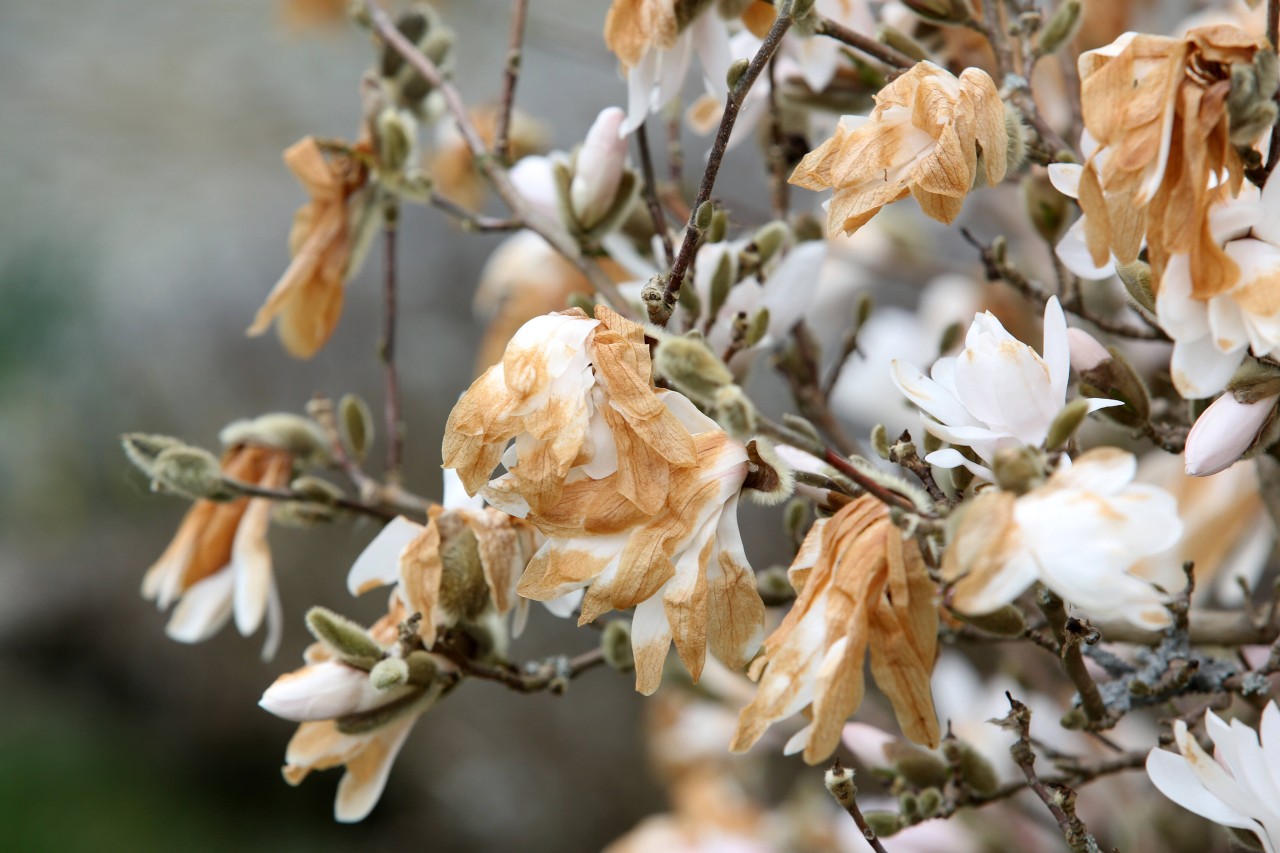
[599,167]
[321,691]
[1224,432]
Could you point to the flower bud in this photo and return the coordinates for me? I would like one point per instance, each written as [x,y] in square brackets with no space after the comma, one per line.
[355,421]
[321,691]
[1061,28]
[771,480]
[1251,102]
[389,673]
[1006,621]
[1065,424]
[880,441]
[1016,152]
[930,801]
[143,449]
[771,237]
[919,767]
[1255,380]
[615,645]
[1136,278]
[901,42]
[795,518]
[940,11]
[351,643]
[189,471]
[721,283]
[1018,469]
[774,587]
[298,435]
[757,328]
[883,824]
[719,227]
[1224,432]
[734,75]
[598,168]
[1086,353]
[736,413]
[691,366]
[974,768]
[1046,207]
[464,593]
[1115,379]
[397,136]
[703,215]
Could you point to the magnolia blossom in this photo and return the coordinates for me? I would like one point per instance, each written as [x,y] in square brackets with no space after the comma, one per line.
[1215,317]
[922,139]
[861,588]
[1078,534]
[347,721]
[653,39]
[219,564]
[1224,432]
[1237,786]
[635,490]
[1157,108]
[997,393]
[460,567]
[307,300]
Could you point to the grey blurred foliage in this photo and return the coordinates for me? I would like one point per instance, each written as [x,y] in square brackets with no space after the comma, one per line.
[145,217]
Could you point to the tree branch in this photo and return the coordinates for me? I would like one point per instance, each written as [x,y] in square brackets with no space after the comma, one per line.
[511,75]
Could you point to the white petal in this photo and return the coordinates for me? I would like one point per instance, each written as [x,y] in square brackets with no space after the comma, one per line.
[251,565]
[1200,369]
[1065,178]
[356,800]
[1057,352]
[379,563]
[1173,777]
[203,609]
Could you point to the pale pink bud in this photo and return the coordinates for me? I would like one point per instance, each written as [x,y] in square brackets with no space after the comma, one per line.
[1223,433]
[599,167]
[1086,352]
[321,691]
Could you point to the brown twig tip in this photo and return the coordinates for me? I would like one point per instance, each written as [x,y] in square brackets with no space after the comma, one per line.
[1061,801]
[839,781]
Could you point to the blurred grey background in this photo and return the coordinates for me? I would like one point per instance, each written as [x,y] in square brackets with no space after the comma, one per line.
[145,216]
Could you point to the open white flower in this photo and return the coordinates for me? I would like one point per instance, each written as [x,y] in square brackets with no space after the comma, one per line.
[1212,330]
[1240,789]
[997,393]
[1078,534]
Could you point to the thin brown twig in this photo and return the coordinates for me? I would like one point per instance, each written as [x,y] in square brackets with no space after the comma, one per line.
[1273,35]
[253,490]
[387,347]
[651,193]
[553,232]
[552,675]
[733,103]
[510,76]
[1055,614]
[776,156]
[469,220]
[882,52]
[1061,802]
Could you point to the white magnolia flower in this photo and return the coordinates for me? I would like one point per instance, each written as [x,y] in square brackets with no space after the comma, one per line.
[997,393]
[1072,249]
[1211,332]
[655,46]
[1223,432]
[324,691]
[598,168]
[1238,786]
[1078,534]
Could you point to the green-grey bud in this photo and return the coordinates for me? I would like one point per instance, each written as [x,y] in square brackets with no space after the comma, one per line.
[901,42]
[351,643]
[355,422]
[1255,380]
[719,226]
[300,436]
[880,441]
[800,425]
[721,283]
[1018,469]
[615,645]
[771,237]
[142,448]
[974,768]
[794,518]
[397,133]
[690,365]
[423,669]
[464,593]
[736,70]
[1116,379]
[1006,621]
[703,215]
[918,767]
[930,802]
[1016,152]
[1136,278]
[757,328]
[1065,424]
[191,472]
[940,11]
[951,336]
[774,586]
[909,807]
[1061,28]
[735,412]
[883,824]
[375,718]
[389,673]
[301,514]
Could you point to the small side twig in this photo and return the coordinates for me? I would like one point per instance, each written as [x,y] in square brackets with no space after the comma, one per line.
[1061,801]
[469,220]
[552,675]
[839,782]
[869,46]
[651,193]
[510,76]
[387,347]
[1070,633]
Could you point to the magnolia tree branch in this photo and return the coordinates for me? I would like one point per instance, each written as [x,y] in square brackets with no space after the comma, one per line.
[651,193]
[355,505]
[552,675]
[469,220]
[511,75]
[876,50]
[839,782]
[661,312]
[556,235]
[387,346]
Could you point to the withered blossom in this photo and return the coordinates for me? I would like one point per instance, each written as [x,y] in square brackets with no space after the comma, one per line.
[461,565]
[368,726]
[930,136]
[862,588]
[219,564]
[306,302]
[635,490]
[1160,150]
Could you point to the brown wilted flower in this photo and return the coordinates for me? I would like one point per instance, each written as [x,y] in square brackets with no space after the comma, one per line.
[635,490]
[307,300]
[1160,148]
[861,587]
[219,563]
[924,138]
[459,567]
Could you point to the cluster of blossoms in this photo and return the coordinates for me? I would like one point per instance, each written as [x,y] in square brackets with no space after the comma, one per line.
[598,464]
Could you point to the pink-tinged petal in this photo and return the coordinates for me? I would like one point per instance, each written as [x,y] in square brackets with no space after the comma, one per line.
[1223,433]
[379,563]
[598,169]
[203,609]
[1200,369]
[534,178]
[1086,352]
